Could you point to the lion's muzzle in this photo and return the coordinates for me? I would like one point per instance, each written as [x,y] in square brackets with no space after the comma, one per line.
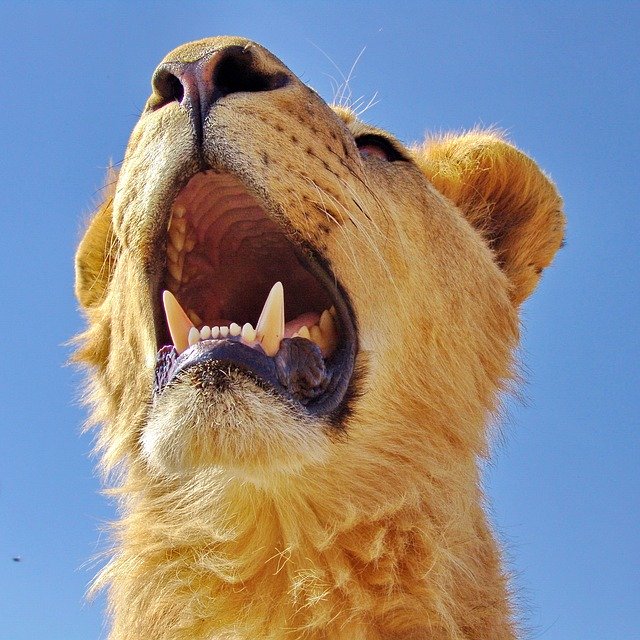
[233,258]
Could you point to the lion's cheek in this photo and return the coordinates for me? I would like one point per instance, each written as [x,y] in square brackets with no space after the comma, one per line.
[243,428]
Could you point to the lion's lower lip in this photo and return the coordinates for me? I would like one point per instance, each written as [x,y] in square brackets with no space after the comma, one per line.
[297,372]
[216,355]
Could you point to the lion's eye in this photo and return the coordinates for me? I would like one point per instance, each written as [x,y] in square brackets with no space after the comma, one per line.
[377,147]
[373,150]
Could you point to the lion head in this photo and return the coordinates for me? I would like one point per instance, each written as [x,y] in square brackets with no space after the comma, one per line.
[298,329]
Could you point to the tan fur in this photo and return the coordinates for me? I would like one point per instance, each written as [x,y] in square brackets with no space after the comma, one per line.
[280,525]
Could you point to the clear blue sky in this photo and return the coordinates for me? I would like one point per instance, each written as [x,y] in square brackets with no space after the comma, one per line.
[564,81]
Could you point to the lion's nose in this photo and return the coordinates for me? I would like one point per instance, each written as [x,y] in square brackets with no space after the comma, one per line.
[199,84]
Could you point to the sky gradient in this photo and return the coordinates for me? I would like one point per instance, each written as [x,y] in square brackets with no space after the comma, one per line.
[562,79]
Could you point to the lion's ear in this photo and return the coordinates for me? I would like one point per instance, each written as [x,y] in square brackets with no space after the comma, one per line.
[97,251]
[505,196]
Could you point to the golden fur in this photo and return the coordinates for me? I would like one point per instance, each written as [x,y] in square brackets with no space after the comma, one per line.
[276,524]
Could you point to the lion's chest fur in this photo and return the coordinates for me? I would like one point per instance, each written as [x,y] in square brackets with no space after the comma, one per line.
[263,564]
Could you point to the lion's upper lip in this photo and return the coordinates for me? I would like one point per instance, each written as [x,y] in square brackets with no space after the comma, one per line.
[223,253]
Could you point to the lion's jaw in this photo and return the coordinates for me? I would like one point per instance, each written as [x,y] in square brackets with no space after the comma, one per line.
[344,213]
[247,511]
[244,428]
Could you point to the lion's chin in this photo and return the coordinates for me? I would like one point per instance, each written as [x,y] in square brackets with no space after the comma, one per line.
[237,425]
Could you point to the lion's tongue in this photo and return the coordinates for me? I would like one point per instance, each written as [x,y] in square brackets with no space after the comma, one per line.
[269,331]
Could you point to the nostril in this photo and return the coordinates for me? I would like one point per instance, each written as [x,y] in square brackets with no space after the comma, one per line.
[175,90]
[237,72]
[199,84]
[167,88]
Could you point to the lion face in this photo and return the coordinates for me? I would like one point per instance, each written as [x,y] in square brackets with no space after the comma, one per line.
[298,329]
[275,286]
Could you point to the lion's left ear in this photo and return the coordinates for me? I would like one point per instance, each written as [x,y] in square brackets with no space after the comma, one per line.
[505,196]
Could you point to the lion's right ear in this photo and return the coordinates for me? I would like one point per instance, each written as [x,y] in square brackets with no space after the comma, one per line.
[97,252]
[505,196]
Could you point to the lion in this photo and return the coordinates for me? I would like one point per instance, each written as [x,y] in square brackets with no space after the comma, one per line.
[299,334]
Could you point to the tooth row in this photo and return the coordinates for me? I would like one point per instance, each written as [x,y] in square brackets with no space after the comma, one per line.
[246,332]
[323,334]
[181,241]
[270,327]
[268,332]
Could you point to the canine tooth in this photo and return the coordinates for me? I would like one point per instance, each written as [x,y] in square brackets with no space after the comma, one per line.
[316,335]
[194,336]
[325,337]
[329,331]
[325,334]
[235,329]
[195,318]
[270,327]
[177,320]
[248,332]
[325,320]
[215,332]
[333,312]
[303,332]
[205,332]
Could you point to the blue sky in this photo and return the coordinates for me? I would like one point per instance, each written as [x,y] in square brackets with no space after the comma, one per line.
[563,79]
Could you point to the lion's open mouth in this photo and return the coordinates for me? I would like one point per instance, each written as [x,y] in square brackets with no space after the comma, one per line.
[239,293]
